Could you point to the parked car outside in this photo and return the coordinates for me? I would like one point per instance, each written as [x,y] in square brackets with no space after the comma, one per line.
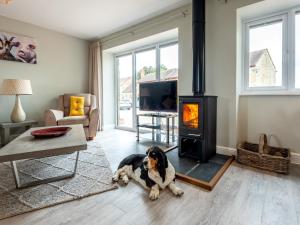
[125,105]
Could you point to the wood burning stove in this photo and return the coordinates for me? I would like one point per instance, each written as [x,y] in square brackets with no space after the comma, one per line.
[197,127]
[198,113]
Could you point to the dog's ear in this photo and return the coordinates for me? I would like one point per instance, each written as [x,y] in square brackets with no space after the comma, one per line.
[165,159]
[147,152]
[162,164]
[163,156]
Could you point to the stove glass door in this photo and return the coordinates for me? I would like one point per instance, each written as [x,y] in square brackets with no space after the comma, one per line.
[190,116]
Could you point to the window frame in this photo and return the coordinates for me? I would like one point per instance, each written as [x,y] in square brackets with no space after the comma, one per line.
[288,54]
[117,90]
[261,23]
[133,52]
[295,12]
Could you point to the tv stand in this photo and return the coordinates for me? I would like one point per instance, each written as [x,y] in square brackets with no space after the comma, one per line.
[155,126]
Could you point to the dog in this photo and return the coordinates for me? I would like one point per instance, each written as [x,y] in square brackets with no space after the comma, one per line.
[152,170]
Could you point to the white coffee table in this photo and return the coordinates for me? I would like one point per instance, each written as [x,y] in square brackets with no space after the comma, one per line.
[27,147]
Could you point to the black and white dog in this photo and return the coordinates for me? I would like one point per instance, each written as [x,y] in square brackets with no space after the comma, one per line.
[153,171]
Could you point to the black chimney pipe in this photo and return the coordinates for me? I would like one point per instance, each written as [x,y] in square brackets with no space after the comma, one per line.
[198,47]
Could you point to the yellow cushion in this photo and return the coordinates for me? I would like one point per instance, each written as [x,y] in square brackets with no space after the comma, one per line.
[76,106]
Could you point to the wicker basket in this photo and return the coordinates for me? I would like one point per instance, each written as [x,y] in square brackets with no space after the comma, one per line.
[263,156]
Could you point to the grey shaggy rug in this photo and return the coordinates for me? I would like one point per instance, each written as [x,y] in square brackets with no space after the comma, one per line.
[93,176]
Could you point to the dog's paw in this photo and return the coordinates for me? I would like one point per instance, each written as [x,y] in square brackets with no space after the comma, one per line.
[115,178]
[125,180]
[178,192]
[154,194]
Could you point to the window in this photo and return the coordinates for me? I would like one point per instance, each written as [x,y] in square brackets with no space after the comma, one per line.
[297,69]
[141,65]
[124,68]
[145,68]
[145,72]
[269,60]
[169,62]
[265,55]
[146,65]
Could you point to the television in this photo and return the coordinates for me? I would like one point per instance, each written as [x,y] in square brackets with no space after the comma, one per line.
[158,96]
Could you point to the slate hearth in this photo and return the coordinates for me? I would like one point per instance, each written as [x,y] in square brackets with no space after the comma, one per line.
[205,175]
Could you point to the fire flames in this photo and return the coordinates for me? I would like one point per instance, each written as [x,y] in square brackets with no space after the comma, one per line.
[190,115]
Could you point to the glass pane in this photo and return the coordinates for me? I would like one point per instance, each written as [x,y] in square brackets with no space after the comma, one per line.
[145,72]
[190,115]
[297,83]
[169,67]
[146,66]
[169,62]
[265,55]
[125,91]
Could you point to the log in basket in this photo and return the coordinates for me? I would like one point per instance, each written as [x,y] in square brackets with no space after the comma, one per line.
[263,156]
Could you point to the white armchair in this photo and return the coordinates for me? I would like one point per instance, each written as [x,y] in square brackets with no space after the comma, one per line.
[60,116]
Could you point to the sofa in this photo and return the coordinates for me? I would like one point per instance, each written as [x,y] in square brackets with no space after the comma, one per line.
[60,116]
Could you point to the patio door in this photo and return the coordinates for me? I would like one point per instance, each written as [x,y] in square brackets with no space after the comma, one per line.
[153,63]
[125,99]
[145,70]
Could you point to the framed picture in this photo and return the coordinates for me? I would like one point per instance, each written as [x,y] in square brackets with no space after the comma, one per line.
[17,48]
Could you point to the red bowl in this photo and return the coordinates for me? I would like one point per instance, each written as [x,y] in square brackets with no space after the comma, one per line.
[50,132]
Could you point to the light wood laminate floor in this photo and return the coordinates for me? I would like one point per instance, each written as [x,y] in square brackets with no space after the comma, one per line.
[243,196]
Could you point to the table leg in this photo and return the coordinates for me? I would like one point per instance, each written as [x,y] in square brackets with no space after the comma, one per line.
[2,136]
[5,133]
[137,128]
[16,174]
[173,126]
[158,131]
[43,181]
[152,129]
[168,131]
[27,127]
[76,163]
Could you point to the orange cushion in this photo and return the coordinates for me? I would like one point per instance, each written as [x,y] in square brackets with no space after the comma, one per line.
[76,106]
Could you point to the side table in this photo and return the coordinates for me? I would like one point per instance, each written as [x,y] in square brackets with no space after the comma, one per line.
[9,130]
[154,126]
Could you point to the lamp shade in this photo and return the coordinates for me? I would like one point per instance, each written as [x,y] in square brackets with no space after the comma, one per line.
[16,87]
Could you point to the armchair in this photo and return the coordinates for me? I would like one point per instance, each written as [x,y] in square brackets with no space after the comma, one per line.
[60,116]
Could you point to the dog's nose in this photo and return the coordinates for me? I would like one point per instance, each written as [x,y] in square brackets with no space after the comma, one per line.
[145,162]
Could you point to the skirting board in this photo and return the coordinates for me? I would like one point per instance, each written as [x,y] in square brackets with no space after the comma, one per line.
[109,127]
[295,157]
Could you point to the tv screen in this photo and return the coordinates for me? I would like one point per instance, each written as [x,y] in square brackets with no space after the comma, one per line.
[158,96]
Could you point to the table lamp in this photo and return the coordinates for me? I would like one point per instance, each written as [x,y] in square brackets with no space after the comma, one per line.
[16,87]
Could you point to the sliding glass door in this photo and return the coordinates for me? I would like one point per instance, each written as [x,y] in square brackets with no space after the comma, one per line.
[154,63]
[125,93]
[145,68]
[169,62]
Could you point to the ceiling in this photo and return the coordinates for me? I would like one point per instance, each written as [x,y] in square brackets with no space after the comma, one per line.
[87,19]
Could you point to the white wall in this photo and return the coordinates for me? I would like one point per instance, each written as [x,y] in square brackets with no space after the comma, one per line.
[168,21]
[157,25]
[221,69]
[275,115]
[239,118]
[62,68]
[221,28]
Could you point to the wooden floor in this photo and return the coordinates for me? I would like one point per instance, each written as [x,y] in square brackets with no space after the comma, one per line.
[243,196]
